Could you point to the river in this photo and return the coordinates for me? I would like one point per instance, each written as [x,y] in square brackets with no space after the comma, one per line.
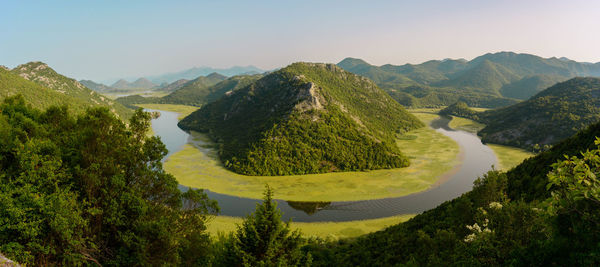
[476,159]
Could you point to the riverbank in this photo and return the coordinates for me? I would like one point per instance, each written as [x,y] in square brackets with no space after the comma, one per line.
[508,157]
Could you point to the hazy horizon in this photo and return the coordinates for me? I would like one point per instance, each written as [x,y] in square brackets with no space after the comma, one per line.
[110,40]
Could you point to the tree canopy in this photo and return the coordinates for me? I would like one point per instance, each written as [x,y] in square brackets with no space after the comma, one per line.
[91,189]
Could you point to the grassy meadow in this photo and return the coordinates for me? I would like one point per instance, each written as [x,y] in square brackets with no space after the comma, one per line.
[330,230]
[509,157]
[466,125]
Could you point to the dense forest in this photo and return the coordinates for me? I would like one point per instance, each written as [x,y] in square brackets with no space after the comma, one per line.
[305,118]
[490,80]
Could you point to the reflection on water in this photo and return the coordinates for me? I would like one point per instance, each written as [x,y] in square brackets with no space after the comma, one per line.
[477,160]
[308,207]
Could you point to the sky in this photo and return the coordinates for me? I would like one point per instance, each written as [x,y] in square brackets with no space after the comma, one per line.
[102,40]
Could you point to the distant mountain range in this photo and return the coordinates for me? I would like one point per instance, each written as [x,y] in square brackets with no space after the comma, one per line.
[141,83]
[490,80]
[191,74]
[195,72]
[167,82]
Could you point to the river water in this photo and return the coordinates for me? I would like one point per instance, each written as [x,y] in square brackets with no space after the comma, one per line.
[476,159]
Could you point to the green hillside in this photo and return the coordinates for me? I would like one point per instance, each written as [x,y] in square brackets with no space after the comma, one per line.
[42,87]
[529,86]
[428,96]
[174,85]
[548,117]
[305,118]
[485,77]
[205,89]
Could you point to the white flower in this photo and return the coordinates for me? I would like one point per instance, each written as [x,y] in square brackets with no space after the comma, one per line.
[495,205]
[470,238]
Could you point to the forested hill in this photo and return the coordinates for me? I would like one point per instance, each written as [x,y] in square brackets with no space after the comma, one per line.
[42,87]
[206,89]
[485,81]
[548,117]
[508,219]
[305,118]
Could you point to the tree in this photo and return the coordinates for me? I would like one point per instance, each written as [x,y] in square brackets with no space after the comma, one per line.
[264,240]
[91,190]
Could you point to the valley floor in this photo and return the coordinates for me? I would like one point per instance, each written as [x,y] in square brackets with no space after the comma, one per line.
[432,154]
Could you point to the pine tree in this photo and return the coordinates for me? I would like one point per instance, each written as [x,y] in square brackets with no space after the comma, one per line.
[264,240]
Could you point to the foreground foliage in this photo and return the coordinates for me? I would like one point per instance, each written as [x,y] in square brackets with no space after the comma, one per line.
[84,190]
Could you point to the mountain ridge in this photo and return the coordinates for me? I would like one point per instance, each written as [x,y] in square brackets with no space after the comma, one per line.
[482,77]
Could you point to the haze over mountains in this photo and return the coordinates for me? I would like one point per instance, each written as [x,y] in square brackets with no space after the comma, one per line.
[490,80]
[192,73]
[141,83]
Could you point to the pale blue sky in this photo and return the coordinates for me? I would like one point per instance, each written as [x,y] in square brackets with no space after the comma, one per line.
[110,39]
